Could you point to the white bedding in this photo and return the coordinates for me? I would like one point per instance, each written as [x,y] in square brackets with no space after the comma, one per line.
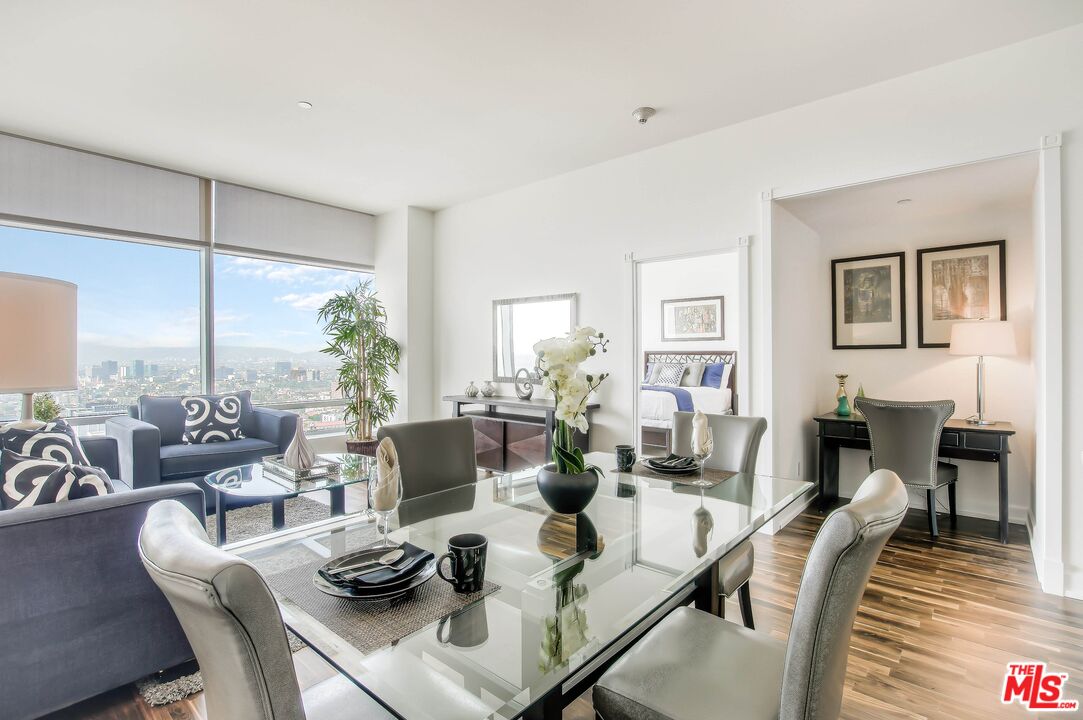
[656,408]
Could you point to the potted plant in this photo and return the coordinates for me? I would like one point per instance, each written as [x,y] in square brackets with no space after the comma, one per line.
[568,483]
[356,325]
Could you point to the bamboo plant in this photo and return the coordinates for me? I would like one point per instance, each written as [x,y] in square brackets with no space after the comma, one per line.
[355,323]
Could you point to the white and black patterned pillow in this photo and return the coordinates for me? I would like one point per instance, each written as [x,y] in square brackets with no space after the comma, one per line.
[211,419]
[54,440]
[669,375]
[28,481]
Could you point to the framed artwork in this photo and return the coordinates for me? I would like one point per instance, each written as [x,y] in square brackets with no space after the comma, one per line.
[868,302]
[693,319]
[959,283]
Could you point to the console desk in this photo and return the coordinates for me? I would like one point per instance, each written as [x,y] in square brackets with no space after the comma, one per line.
[512,434]
[960,440]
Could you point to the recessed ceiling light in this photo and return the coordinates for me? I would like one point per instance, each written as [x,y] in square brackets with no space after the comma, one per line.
[304,105]
[903,201]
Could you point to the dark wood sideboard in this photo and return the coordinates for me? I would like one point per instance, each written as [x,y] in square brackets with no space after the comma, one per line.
[512,434]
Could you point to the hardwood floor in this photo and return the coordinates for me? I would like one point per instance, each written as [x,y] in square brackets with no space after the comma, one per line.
[937,626]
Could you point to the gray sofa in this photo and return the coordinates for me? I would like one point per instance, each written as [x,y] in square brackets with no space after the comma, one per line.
[79,615]
[151,451]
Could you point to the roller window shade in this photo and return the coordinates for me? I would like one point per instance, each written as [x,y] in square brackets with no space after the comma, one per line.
[267,223]
[52,184]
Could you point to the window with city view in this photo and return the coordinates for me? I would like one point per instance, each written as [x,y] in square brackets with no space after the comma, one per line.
[138,315]
[266,335]
[139,324]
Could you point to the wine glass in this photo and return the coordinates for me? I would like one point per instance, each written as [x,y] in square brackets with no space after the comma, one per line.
[384,501]
[700,452]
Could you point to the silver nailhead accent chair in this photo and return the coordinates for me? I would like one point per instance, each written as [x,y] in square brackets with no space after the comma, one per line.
[695,666]
[736,448]
[905,438]
[233,624]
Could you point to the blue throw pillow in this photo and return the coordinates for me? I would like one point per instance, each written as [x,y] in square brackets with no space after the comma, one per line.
[715,374]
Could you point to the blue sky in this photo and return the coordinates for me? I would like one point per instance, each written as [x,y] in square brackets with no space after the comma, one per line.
[135,295]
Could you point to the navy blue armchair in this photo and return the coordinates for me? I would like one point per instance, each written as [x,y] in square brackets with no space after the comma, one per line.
[152,453]
[80,616]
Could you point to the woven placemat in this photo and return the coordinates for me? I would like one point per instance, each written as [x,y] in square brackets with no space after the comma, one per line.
[369,626]
[711,475]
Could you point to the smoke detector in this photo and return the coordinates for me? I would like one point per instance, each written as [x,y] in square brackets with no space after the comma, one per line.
[643,114]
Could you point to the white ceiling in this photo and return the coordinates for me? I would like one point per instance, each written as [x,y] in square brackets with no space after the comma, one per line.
[432,102]
[952,192]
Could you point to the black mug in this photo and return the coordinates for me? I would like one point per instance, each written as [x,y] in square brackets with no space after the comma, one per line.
[467,555]
[626,457]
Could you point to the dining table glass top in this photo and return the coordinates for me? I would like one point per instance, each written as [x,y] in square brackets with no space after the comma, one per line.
[570,585]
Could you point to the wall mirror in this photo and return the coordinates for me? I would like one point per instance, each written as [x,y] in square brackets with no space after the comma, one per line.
[518,323]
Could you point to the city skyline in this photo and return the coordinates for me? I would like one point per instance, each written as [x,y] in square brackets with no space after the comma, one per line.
[259,304]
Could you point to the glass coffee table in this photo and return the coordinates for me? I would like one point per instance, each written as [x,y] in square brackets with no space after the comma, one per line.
[254,482]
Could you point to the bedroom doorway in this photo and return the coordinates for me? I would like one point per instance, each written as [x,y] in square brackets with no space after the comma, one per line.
[691,322]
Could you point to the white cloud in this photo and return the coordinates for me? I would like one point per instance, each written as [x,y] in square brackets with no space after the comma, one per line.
[306,301]
[288,273]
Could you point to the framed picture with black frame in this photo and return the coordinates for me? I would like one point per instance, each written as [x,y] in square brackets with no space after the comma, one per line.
[960,283]
[868,302]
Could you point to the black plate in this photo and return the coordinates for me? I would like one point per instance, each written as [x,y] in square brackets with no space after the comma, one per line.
[377,592]
[671,471]
[364,556]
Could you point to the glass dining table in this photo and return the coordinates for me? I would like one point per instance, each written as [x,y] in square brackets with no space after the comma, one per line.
[575,591]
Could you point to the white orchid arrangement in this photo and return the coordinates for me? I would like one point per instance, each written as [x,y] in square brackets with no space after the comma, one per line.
[558,362]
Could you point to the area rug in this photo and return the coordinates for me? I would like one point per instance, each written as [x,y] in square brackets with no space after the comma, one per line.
[250,522]
[241,524]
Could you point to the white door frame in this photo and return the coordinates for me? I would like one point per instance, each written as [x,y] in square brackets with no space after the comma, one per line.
[635,264]
[1046,527]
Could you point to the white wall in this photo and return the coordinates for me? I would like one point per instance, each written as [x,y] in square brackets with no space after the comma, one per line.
[799,325]
[573,232]
[702,276]
[915,373]
[403,266]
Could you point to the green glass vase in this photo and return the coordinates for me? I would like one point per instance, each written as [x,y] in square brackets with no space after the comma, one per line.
[843,408]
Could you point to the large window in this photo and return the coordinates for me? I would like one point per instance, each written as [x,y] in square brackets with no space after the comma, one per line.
[267,337]
[138,315]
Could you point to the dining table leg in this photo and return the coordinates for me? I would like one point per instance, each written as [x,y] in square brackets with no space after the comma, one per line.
[338,500]
[549,707]
[707,596]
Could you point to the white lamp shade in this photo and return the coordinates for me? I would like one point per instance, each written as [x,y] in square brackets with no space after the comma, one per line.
[38,327]
[983,337]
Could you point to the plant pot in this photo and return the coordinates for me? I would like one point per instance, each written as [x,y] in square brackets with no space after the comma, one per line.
[568,494]
[362,447]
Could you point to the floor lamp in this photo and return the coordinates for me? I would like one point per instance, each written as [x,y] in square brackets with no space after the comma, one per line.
[982,338]
[37,337]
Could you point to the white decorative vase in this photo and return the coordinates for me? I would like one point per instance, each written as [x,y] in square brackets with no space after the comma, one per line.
[300,455]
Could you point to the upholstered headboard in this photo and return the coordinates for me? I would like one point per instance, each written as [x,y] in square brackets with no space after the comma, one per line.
[687,356]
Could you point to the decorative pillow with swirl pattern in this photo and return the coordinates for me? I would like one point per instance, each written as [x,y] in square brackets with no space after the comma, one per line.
[54,440]
[211,420]
[29,481]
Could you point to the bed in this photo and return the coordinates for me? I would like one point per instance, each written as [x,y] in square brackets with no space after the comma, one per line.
[657,403]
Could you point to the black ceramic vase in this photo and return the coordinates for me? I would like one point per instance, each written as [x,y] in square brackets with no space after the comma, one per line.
[568,494]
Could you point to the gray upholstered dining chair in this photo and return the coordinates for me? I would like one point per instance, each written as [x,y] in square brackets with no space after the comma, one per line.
[905,437]
[234,626]
[736,448]
[434,455]
[693,665]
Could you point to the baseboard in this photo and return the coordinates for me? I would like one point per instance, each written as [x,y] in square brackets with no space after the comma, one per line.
[1073,582]
[798,506]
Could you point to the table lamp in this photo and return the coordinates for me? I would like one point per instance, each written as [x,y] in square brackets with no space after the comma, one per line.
[37,337]
[981,338]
